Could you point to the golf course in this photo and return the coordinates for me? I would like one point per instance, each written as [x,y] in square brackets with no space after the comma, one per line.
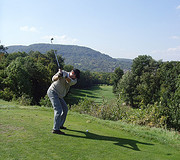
[96,93]
[26,135]
[90,80]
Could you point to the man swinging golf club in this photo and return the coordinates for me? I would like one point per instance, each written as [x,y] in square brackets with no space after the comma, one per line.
[61,83]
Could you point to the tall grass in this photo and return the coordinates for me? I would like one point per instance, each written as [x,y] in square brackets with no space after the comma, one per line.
[142,122]
[115,110]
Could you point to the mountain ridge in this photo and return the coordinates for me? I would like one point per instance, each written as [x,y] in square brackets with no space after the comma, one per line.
[80,57]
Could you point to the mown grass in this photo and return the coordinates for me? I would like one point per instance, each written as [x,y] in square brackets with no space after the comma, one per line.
[26,134]
[97,93]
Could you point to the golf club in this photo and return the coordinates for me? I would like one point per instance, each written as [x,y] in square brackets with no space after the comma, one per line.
[55,52]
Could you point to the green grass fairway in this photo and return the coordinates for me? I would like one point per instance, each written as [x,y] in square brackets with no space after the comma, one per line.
[26,135]
[96,93]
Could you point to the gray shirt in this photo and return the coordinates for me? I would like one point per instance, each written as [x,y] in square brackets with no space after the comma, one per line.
[61,86]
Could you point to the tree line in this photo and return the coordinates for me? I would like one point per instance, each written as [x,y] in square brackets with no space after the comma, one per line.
[152,82]
[28,75]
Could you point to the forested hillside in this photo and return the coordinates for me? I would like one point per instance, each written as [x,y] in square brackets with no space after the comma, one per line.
[82,58]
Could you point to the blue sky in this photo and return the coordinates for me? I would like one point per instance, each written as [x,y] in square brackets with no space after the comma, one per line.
[119,28]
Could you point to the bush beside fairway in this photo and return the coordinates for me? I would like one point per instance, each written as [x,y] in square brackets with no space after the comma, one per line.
[26,134]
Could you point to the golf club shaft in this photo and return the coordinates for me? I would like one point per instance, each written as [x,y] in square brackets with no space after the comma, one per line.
[55,53]
[57,59]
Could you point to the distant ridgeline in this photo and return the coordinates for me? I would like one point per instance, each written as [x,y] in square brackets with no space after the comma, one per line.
[80,57]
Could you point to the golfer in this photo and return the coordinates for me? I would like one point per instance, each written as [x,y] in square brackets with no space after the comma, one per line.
[62,81]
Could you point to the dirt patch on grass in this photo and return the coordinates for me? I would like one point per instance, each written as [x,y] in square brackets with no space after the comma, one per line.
[9,128]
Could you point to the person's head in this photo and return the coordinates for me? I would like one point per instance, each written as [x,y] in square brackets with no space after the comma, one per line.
[75,74]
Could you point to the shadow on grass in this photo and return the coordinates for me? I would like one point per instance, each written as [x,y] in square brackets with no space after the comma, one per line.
[127,143]
[71,99]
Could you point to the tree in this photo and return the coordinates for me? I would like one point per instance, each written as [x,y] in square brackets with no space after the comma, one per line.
[169,92]
[118,73]
[68,68]
[18,78]
[3,49]
[2,53]
[175,106]
[85,81]
[125,88]
[39,78]
[26,76]
[146,80]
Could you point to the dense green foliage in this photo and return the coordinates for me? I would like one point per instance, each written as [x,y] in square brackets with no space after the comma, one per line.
[153,82]
[26,77]
[117,111]
[118,73]
[3,49]
[80,57]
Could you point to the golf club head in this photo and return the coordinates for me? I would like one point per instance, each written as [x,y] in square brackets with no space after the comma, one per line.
[52,39]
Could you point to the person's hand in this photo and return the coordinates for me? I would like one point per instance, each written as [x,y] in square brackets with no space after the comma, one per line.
[60,75]
[68,80]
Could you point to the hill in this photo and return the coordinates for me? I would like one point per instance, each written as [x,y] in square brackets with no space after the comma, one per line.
[80,57]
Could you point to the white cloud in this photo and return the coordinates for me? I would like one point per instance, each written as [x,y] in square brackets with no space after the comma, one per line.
[170,54]
[176,49]
[28,29]
[61,39]
[175,37]
[178,7]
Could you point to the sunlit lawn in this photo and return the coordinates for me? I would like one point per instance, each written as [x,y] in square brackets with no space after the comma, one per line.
[26,134]
[96,93]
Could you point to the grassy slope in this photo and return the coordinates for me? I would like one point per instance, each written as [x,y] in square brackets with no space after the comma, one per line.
[26,134]
[96,93]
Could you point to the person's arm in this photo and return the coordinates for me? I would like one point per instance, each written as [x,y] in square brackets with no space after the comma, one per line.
[57,75]
[55,78]
[73,82]
[68,79]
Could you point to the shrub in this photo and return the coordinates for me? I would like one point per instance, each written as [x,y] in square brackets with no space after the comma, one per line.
[113,110]
[85,106]
[150,115]
[6,94]
[45,102]
[25,100]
